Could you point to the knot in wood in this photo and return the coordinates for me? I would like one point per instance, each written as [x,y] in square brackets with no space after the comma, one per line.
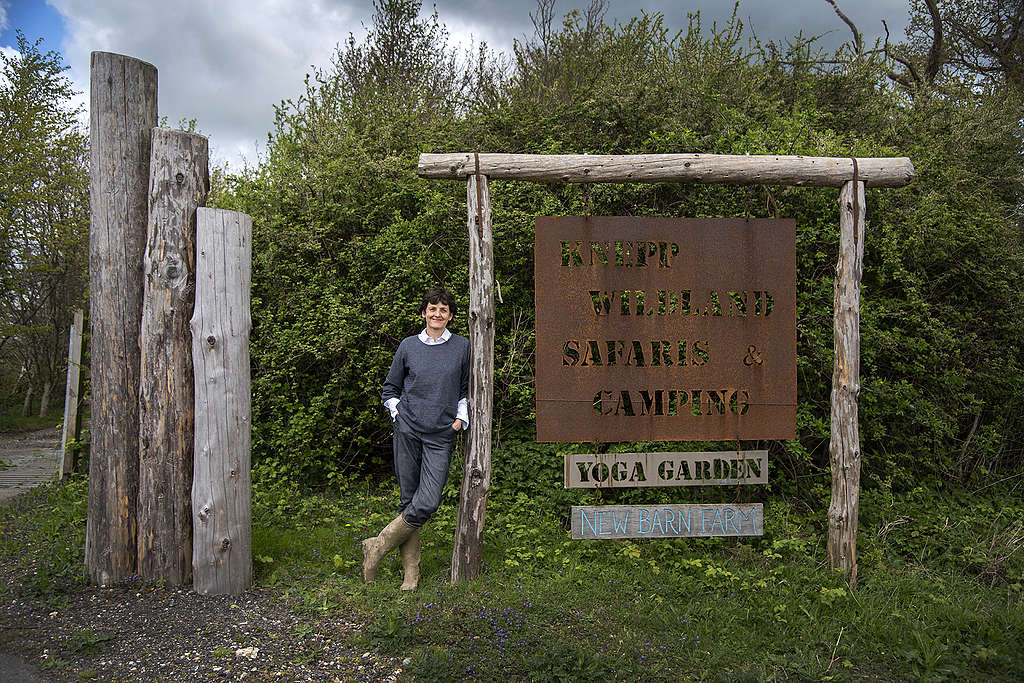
[225,544]
[180,177]
[204,513]
[211,340]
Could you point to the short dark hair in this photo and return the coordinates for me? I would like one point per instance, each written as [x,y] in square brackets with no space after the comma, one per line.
[436,295]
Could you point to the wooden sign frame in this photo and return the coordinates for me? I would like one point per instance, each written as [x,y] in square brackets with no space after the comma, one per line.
[851,174]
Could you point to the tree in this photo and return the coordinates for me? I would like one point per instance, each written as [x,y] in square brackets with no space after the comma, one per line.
[403,61]
[44,216]
[978,41]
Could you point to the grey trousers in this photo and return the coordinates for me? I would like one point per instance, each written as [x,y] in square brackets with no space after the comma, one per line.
[421,467]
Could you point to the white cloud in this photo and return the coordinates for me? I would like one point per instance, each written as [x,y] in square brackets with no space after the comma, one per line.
[3,15]
[7,52]
[227,63]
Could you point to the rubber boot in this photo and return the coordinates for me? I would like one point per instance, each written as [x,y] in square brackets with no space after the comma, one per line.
[411,561]
[374,549]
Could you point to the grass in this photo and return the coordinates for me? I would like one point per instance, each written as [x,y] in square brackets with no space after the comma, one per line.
[939,594]
[42,540]
[10,422]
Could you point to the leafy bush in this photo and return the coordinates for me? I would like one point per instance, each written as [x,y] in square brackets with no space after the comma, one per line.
[346,236]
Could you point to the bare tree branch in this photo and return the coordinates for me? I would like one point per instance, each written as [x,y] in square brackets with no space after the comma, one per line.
[858,42]
[931,70]
[899,78]
[595,15]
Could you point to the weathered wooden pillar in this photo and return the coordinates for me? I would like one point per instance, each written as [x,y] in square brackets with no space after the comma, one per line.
[476,476]
[122,112]
[845,438]
[69,432]
[178,183]
[221,509]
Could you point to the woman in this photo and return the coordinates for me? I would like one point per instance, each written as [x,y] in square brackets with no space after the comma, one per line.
[425,392]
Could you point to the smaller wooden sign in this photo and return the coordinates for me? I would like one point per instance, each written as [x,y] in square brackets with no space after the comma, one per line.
[667,521]
[619,470]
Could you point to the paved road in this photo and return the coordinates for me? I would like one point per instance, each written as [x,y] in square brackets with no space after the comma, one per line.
[26,460]
[15,670]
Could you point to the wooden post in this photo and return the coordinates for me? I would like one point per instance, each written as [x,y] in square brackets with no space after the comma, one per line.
[845,438]
[122,112]
[476,476]
[178,183]
[70,430]
[221,510]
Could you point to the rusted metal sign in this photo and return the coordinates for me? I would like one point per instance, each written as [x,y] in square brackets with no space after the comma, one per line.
[621,470]
[655,329]
[667,521]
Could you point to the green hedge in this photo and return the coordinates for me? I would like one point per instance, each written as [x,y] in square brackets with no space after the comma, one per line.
[347,236]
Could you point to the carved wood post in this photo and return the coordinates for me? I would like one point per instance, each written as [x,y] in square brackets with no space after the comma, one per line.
[178,182]
[476,476]
[122,112]
[845,437]
[221,509]
[70,430]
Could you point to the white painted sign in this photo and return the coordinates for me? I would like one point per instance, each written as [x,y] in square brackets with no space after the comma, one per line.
[620,470]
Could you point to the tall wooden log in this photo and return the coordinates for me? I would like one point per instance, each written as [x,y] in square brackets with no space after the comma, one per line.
[178,183]
[221,509]
[69,432]
[845,438]
[122,112]
[467,549]
[661,168]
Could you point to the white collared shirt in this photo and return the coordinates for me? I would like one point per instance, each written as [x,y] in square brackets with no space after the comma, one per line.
[462,409]
[430,341]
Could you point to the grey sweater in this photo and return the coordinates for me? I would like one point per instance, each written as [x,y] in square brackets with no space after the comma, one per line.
[429,380]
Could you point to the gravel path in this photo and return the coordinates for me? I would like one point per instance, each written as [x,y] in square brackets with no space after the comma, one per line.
[148,633]
[134,634]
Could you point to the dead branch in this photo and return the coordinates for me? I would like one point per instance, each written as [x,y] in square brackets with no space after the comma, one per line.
[896,77]
[858,43]
[935,53]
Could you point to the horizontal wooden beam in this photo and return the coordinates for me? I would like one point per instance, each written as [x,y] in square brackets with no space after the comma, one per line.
[677,168]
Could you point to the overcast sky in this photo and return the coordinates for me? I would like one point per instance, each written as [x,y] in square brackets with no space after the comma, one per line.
[227,62]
